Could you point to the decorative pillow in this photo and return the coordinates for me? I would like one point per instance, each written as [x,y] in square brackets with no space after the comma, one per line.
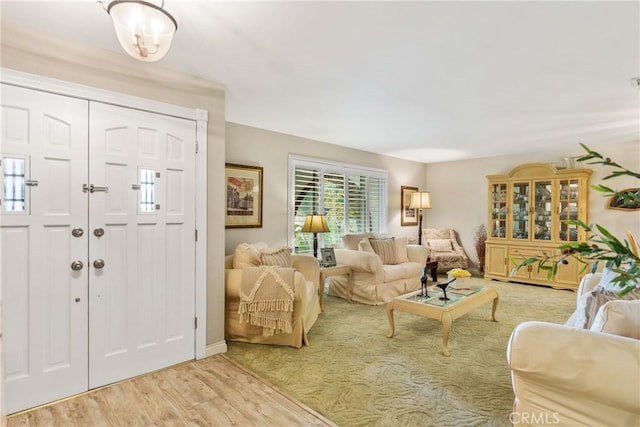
[246,255]
[365,246]
[619,318]
[385,249]
[351,241]
[589,303]
[440,245]
[279,257]
[401,250]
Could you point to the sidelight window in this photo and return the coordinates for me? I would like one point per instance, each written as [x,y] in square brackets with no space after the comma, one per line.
[14,184]
[147,190]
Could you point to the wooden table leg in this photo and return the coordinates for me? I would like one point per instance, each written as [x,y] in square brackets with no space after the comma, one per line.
[493,309]
[390,316]
[446,327]
[321,288]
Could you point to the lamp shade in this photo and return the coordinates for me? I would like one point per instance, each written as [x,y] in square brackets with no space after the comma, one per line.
[420,200]
[144,30]
[315,224]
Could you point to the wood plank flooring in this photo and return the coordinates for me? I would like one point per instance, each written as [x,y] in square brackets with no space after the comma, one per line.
[214,391]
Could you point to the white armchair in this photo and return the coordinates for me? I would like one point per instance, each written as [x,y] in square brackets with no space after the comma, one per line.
[569,376]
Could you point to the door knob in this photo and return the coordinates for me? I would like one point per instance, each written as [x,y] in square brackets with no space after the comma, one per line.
[99,263]
[77,265]
[98,232]
[77,232]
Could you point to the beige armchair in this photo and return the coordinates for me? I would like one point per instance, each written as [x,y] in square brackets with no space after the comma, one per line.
[373,281]
[569,376]
[306,305]
[444,248]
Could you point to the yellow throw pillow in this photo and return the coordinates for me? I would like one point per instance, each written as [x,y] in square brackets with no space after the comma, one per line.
[279,257]
[246,255]
[385,249]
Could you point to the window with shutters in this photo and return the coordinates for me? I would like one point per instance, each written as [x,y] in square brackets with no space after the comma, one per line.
[354,200]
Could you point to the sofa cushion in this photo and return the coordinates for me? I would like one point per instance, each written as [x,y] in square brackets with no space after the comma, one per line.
[365,246]
[589,303]
[279,257]
[440,245]
[619,318]
[350,241]
[402,271]
[401,249]
[385,249]
[246,255]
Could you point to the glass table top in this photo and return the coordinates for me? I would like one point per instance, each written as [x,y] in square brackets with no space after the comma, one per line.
[435,294]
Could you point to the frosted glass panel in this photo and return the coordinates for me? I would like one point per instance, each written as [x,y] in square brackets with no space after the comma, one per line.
[14,184]
[147,190]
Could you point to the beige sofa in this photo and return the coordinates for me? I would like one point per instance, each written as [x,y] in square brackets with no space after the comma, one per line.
[374,282]
[565,375]
[306,305]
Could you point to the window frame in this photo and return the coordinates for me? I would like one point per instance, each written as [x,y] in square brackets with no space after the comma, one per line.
[328,166]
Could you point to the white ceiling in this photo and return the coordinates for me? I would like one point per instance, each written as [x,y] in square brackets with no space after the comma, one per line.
[426,81]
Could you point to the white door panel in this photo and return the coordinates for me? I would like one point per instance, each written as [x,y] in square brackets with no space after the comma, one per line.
[66,331]
[143,298]
[44,302]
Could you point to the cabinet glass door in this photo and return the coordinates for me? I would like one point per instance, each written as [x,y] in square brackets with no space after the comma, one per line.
[520,204]
[542,210]
[568,206]
[499,210]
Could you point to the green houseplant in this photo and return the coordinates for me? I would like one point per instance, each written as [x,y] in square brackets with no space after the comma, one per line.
[601,247]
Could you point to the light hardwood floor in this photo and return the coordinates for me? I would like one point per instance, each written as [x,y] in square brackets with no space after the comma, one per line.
[214,391]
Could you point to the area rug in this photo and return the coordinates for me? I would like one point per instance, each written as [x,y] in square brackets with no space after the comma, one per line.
[355,376]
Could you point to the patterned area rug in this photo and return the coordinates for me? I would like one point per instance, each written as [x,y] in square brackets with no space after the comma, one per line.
[355,376]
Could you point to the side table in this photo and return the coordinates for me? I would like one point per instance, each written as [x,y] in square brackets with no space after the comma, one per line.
[432,266]
[337,270]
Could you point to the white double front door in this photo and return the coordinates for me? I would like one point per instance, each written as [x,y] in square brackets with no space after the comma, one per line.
[97,244]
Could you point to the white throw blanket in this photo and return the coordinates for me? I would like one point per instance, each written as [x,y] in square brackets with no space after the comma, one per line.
[266,298]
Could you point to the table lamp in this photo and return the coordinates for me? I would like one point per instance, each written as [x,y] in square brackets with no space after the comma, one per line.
[315,224]
[420,200]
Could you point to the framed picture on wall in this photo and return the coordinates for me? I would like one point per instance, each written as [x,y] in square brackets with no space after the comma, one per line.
[244,196]
[407,216]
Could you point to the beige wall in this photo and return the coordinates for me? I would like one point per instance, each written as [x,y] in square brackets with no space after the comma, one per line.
[118,72]
[459,189]
[258,147]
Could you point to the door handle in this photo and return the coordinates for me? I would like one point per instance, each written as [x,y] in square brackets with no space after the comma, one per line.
[98,232]
[77,265]
[99,263]
[92,188]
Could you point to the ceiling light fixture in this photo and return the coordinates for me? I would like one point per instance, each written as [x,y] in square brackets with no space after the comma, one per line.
[144,30]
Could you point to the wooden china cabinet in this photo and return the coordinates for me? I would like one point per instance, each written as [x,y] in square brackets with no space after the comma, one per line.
[528,209]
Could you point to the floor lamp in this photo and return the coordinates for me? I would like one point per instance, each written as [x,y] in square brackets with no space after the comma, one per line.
[315,224]
[420,200]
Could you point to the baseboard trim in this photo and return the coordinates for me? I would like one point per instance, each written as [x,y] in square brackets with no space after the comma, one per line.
[216,348]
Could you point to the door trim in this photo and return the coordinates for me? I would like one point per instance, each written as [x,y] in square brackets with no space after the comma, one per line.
[199,116]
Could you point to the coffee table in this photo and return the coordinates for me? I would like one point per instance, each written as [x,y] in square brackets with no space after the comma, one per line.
[461,303]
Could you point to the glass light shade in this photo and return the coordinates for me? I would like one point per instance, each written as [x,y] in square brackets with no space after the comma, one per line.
[144,30]
[315,224]
[420,200]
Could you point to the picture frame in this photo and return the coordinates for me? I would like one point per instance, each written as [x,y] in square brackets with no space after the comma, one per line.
[407,216]
[328,257]
[243,184]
